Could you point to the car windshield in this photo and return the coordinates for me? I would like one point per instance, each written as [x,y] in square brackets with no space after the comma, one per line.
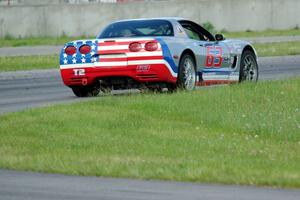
[138,28]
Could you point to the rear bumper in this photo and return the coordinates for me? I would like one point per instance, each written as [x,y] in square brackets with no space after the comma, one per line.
[85,75]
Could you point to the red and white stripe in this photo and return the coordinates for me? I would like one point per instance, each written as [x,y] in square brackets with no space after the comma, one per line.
[116,53]
[122,46]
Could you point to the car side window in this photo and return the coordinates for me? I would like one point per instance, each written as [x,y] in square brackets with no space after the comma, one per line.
[195,31]
[192,33]
[206,35]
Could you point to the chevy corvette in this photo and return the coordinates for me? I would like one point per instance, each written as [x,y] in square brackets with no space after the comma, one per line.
[155,53]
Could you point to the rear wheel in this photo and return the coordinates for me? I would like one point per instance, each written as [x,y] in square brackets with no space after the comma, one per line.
[86,91]
[248,67]
[187,73]
[155,89]
[171,87]
[105,86]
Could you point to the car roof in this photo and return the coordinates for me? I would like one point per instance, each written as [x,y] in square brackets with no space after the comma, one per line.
[173,20]
[158,18]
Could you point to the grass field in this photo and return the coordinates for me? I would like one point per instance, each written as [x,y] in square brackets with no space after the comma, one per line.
[15,63]
[278,49]
[266,33]
[240,134]
[34,41]
[44,62]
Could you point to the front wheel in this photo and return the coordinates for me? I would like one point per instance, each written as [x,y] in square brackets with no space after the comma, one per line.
[248,67]
[86,91]
[187,73]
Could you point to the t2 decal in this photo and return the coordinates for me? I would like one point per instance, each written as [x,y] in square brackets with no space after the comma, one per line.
[79,72]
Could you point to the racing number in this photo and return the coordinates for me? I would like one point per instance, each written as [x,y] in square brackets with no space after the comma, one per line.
[209,57]
[213,56]
[218,57]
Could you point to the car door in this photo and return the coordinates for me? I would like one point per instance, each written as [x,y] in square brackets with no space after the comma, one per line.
[217,56]
[217,66]
[213,57]
[198,43]
[217,63]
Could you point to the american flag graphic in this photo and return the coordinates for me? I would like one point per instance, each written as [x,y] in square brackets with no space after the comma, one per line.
[115,53]
[79,58]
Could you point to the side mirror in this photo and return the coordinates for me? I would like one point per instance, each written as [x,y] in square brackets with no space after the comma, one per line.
[219,37]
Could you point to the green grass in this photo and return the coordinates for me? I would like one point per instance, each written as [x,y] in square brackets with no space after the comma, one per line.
[266,33]
[278,49]
[35,41]
[28,62]
[241,134]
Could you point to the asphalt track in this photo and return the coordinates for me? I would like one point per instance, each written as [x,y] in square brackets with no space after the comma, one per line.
[27,89]
[36,186]
[50,50]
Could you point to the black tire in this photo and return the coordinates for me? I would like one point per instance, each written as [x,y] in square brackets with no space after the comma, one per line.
[151,89]
[105,87]
[155,90]
[105,90]
[171,87]
[187,73]
[86,91]
[248,67]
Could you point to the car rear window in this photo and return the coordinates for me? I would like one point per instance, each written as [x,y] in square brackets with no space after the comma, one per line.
[138,28]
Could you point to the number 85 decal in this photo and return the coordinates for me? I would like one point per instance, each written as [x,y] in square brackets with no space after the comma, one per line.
[213,56]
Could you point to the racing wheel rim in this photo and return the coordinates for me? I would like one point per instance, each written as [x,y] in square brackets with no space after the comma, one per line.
[189,74]
[250,72]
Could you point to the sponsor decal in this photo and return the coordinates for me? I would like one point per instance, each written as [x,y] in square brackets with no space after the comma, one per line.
[226,59]
[79,72]
[143,68]
[234,76]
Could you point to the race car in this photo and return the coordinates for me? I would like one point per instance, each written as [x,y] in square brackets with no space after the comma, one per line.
[155,53]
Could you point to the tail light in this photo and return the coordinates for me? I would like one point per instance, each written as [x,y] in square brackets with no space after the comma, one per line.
[151,46]
[85,49]
[135,47]
[70,50]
